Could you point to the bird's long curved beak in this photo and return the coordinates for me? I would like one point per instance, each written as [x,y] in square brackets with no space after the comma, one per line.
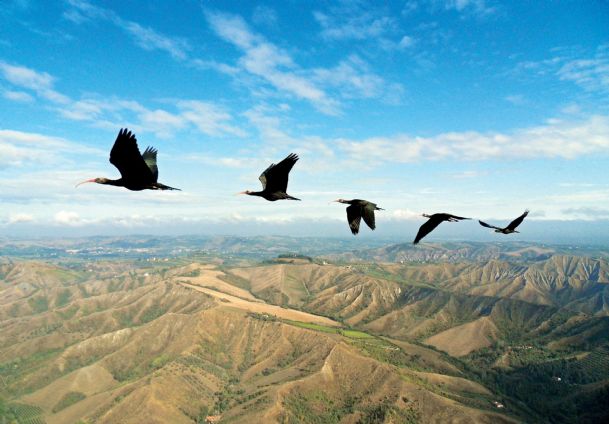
[241,192]
[92,180]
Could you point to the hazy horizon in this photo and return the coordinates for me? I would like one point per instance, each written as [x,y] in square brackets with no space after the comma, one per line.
[540,232]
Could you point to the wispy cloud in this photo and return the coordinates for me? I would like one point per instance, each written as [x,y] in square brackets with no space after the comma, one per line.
[588,213]
[477,7]
[324,87]
[150,39]
[354,78]
[145,37]
[111,112]
[20,218]
[19,148]
[556,139]
[269,62]
[590,71]
[516,99]
[350,21]
[17,96]
[264,15]
[68,218]
[39,82]
[592,74]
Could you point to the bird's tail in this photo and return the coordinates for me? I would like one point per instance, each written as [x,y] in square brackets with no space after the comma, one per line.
[160,186]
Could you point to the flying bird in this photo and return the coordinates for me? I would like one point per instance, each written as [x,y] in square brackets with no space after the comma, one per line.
[357,210]
[138,172]
[275,180]
[433,221]
[510,228]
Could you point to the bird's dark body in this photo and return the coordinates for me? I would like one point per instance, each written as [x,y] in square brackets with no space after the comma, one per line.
[357,210]
[274,180]
[274,196]
[433,221]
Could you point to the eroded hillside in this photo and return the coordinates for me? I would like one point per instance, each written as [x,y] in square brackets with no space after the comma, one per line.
[180,344]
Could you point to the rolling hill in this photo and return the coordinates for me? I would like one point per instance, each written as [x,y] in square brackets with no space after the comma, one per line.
[507,339]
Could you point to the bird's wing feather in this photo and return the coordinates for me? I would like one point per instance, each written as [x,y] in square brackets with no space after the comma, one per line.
[126,156]
[354,216]
[150,159]
[262,177]
[515,223]
[275,177]
[368,215]
[484,224]
[426,228]
[456,217]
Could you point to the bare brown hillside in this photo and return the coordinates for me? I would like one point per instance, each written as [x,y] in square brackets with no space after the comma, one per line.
[175,344]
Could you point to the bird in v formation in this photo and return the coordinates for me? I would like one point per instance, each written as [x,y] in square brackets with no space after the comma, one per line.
[140,172]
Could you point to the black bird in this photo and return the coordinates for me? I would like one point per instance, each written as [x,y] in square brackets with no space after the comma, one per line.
[360,208]
[138,172]
[510,228]
[433,221]
[275,180]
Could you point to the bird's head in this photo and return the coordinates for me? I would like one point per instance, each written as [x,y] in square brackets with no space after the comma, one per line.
[245,192]
[426,215]
[95,180]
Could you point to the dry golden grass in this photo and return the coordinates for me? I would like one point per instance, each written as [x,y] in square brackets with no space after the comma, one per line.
[463,339]
[263,308]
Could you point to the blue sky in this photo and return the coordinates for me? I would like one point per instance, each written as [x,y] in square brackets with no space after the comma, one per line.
[474,107]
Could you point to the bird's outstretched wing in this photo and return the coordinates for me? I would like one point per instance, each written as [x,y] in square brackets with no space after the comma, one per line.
[456,217]
[427,228]
[275,177]
[150,159]
[484,224]
[368,215]
[354,216]
[126,156]
[515,223]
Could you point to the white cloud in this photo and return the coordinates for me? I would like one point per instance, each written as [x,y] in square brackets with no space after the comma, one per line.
[269,62]
[19,218]
[353,23]
[407,42]
[588,212]
[39,82]
[264,15]
[112,112]
[516,99]
[161,122]
[404,215]
[592,74]
[590,71]
[555,139]
[353,78]
[18,96]
[478,7]
[146,38]
[22,148]
[149,39]
[208,118]
[67,218]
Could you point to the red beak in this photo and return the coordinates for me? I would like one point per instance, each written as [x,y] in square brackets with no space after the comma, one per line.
[92,180]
